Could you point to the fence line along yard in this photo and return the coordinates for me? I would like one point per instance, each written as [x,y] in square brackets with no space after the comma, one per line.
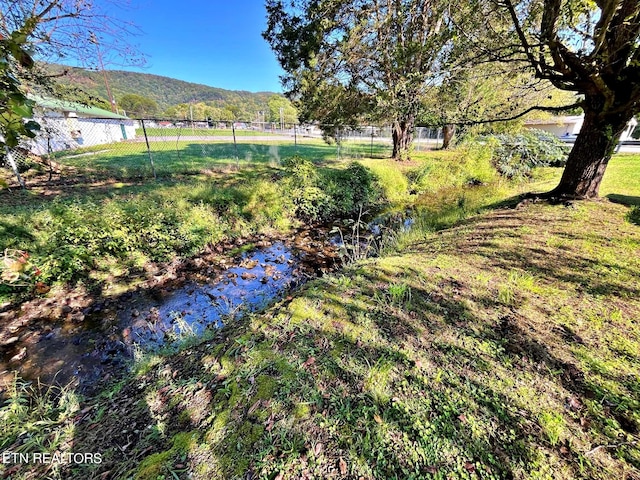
[151,147]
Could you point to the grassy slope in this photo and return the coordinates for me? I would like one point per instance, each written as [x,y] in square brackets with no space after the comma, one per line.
[504,347]
[105,221]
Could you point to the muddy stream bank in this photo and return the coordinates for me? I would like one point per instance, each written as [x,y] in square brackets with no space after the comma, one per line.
[87,339]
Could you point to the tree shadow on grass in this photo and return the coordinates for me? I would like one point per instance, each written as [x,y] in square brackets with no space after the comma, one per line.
[258,402]
[351,379]
[624,199]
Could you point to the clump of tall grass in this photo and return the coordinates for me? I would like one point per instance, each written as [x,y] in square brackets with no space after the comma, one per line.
[469,164]
[36,418]
[633,215]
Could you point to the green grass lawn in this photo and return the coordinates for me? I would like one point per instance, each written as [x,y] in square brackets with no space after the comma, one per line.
[129,159]
[497,345]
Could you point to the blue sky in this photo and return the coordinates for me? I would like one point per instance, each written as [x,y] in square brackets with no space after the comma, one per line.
[216,42]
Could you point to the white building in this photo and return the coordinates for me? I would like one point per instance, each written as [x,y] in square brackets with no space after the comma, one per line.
[68,125]
[569,126]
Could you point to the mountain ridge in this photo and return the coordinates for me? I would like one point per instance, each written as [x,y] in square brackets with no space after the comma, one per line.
[165,91]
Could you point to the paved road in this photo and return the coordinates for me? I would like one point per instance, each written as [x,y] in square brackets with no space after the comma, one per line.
[219,138]
[629,149]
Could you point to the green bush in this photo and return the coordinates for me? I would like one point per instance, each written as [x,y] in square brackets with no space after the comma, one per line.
[316,195]
[350,189]
[515,155]
[633,215]
[69,239]
[302,187]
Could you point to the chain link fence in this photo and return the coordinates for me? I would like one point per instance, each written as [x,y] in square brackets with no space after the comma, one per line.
[151,147]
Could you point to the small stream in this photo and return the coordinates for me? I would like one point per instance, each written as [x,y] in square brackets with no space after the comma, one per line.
[101,344]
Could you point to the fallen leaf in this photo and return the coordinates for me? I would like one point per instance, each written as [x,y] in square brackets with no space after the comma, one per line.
[41,288]
[343,466]
[318,448]
[310,361]
[269,423]
[377,418]
[87,409]
[564,450]
[19,356]
[462,417]
[575,403]
[469,467]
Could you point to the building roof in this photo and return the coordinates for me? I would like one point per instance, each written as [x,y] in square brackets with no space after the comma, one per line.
[555,120]
[563,120]
[80,109]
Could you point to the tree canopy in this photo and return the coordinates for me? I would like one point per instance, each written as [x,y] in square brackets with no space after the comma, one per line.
[350,61]
[138,105]
[278,104]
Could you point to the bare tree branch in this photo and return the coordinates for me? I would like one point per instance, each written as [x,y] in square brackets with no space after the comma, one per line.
[540,108]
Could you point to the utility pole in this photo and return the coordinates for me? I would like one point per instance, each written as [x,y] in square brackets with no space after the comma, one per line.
[93,39]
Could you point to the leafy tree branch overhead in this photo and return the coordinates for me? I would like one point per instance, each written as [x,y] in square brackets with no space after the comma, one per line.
[68,30]
[352,61]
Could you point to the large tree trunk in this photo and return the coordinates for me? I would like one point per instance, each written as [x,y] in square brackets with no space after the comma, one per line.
[402,135]
[448,131]
[591,153]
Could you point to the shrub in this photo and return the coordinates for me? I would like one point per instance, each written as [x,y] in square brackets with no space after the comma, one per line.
[350,189]
[302,186]
[72,238]
[316,195]
[515,155]
[633,216]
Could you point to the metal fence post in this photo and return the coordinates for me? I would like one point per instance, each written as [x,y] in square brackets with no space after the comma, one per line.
[14,167]
[235,145]
[371,147]
[146,139]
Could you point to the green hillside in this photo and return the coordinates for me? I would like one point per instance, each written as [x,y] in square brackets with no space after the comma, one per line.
[166,92]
